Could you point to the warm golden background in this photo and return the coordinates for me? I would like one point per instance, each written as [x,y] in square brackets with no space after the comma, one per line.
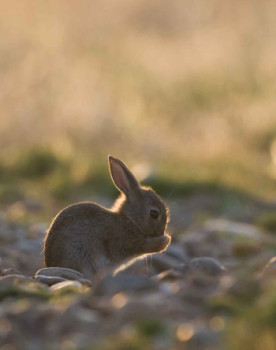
[182,90]
[185,93]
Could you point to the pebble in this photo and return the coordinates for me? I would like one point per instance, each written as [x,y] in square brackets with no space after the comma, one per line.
[62,272]
[176,251]
[233,228]
[204,339]
[14,279]
[49,280]
[110,285]
[206,266]
[11,271]
[169,275]
[204,242]
[161,262]
[66,284]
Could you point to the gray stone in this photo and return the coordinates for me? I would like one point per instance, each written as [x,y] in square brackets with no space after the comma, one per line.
[110,285]
[63,272]
[233,228]
[11,279]
[134,310]
[176,251]
[206,266]
[169,275]
[11,271]
[67,284]
[162,262]
[207,243]
[204,339]
[79,320]
[49,280]
[85,282]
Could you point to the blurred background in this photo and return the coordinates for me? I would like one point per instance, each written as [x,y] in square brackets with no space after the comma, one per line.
[183,92]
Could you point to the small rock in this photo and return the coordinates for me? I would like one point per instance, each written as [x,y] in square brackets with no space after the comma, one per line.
[14,279]
[204,339]
[207,267]
[233,228]
[49,280]
[110,285]
[169,275]
[67,284]
[206,243]
[11,271]
[62,272]
[85,282]
[135,310]
[77,319]
[177,252]
[162,262]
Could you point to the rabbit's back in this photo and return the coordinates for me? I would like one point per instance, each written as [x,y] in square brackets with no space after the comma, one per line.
[76,235]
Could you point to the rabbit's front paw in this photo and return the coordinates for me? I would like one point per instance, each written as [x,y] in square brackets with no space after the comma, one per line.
[157,244]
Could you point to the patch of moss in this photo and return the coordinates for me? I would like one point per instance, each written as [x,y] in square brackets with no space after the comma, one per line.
[10,192]
[61,186]
[254,327]
[150,327]
[168,187]
[128,341]
[225,304]
[36,163]
[98,180]
[18,292]
[267,221]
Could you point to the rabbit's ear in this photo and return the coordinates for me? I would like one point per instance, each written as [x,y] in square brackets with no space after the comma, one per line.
[121,176]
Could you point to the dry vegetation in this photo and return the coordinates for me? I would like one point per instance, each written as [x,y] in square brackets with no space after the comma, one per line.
[182,85]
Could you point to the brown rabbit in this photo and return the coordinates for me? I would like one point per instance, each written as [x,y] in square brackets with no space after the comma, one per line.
[88,237]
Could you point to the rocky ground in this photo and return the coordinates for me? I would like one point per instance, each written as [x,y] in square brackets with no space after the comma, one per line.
[214,288]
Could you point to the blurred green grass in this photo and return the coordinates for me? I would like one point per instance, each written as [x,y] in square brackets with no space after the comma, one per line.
[43,175]
[188,90]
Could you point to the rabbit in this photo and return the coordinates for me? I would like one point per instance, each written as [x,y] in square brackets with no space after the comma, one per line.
[89,238]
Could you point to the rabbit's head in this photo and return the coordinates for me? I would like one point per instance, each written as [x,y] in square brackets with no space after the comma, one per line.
[141,205]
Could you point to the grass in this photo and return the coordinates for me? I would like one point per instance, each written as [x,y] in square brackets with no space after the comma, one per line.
[47,178]
[31,290]
[43,173]
[22,292]
[141,335]
[191,95]
[35,163]
[254,325]
[150,327]
[267,221]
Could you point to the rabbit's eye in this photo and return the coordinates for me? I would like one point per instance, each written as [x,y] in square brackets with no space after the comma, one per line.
[154,213]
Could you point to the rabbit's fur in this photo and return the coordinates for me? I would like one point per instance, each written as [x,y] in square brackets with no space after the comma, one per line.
[88,237]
